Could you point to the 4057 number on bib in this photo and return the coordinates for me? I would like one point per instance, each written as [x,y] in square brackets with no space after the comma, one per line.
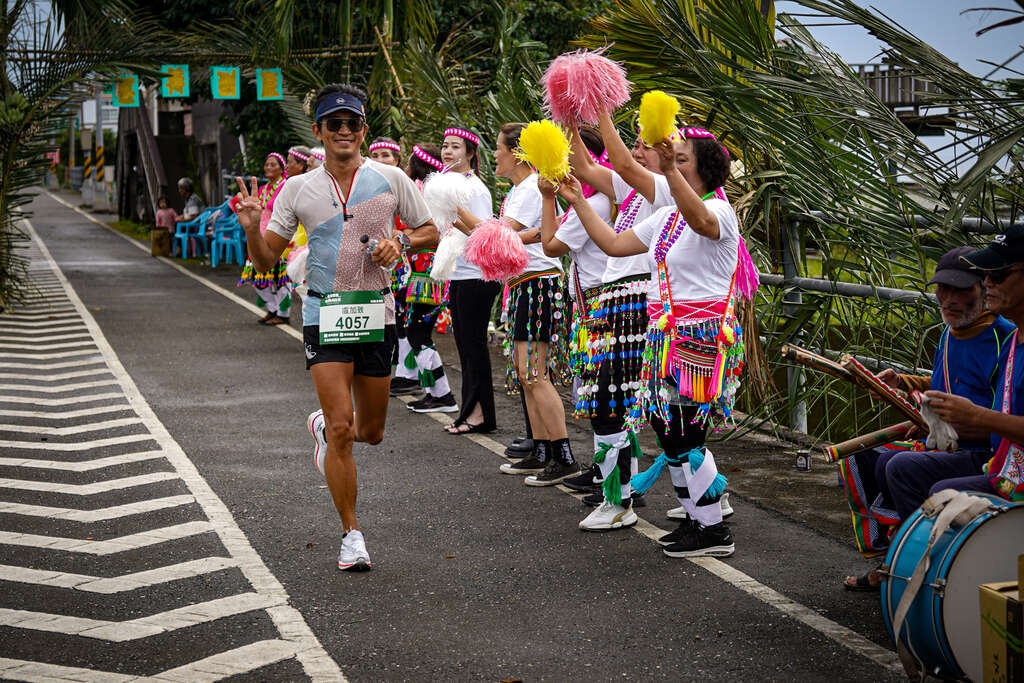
[347,317]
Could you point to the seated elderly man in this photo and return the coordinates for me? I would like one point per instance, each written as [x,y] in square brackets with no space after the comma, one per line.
[965,365]
[1002,263]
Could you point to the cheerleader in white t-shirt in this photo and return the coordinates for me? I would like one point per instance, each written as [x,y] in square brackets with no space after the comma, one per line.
[693,350]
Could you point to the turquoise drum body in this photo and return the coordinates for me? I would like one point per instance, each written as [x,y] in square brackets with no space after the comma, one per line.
[943,626]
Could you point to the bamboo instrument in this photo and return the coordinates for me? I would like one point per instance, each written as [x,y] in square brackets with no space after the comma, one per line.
[815,362]
[864,442]
[866,379]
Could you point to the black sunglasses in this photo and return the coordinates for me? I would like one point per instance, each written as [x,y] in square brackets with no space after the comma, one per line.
[998,277]
[334,124]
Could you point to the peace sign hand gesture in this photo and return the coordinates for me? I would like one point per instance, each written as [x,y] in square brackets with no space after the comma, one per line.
[248,207]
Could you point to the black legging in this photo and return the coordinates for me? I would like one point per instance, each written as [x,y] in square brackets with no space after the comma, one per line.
[603,422]
[678,437]
[420,329]
[470,303]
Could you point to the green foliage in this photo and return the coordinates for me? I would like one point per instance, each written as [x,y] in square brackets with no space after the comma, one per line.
[265,126]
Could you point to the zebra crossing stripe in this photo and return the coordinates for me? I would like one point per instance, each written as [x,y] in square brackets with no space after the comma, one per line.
[49,356]
[214,668]
[53,314]
[84,466]
[87,489]
[61,377]
[116,584]
[35,332]
[77,447]
[56,390]
[98,515]
[67,431]
[46,335]
[302,643]
[65,415]
[50,366]
[48,324]
[111,547]
[46,347]
[143,627]
[38,401]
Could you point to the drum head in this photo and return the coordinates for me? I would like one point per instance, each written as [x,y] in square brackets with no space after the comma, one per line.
[989,553]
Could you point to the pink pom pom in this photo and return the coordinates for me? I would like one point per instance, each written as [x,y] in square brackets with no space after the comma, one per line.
[496,248]
[579,85]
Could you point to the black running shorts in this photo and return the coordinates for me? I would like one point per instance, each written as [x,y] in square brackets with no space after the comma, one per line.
[371,359]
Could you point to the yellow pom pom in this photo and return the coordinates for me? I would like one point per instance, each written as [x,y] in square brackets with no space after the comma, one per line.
[663,322]
[544,145]
[658,113]
[728,335]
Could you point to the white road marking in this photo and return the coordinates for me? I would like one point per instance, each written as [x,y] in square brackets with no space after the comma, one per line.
[88,489]
[116,545]
[213,668]
[76,447]
[36,331]
[50,366]
[60,401]
[46,347]
[82,466]
[49,356]
[47,324]
[57,390]
[77,429]
[98,515]
[64,376]
[315,661]
[143,627]
[66,415]
[115,584]
[45,335]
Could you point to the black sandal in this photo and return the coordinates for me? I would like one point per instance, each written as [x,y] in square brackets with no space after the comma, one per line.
[479,428]
[863,584]
[454,425]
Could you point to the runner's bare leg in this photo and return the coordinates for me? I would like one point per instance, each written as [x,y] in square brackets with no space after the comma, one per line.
[333,383]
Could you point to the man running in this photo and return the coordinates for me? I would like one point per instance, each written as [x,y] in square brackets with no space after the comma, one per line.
[347,205]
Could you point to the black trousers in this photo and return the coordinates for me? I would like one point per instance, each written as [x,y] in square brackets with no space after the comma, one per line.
[470,304]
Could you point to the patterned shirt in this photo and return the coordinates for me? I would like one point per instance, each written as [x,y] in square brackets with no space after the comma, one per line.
[337,259]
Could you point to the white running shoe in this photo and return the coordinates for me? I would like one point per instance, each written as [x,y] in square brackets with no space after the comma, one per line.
[353,556]
[317,427]
[609,516]
[680,512]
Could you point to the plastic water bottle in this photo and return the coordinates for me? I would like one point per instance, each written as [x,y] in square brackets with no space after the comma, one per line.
[371,245]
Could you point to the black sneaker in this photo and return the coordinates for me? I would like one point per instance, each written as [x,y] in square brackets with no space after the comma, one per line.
[519,448]
[435,404]
[686,526]
[554,473]
[400,386]
[712,541]
[530,465]
[584,483]
[597,497]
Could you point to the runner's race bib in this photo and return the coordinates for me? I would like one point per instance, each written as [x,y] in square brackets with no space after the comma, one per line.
[347,317]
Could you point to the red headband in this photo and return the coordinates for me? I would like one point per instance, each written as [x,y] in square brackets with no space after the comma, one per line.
[426,158]
[700,133]
[382,144]
[464,134]
[280,160]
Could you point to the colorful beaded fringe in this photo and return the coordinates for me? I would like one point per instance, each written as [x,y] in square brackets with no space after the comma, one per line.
[521,292]
[610,328]
[699,365]
[276,277]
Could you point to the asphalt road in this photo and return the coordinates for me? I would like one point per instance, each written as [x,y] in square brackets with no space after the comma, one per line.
[476,577]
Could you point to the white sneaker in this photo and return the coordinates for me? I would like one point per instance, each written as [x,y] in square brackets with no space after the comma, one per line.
[680,512]
[317,427]
[609,516]
[353,556]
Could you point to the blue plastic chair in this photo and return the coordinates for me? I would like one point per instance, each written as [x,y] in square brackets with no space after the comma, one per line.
[228,242]
[188,230]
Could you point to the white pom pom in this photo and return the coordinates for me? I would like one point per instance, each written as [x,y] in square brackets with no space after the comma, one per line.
[448,252]
[444,193]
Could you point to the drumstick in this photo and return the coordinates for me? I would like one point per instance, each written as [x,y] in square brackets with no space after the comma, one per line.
[866,379]
[815,362]
[838,451]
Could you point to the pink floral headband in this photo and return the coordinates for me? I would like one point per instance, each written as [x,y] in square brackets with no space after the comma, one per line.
[280,160]
[318,155]
[464,134]
[383,144]
[426,158]
[700,133]
[298,155]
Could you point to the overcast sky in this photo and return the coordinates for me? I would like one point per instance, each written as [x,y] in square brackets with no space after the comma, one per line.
[938,23]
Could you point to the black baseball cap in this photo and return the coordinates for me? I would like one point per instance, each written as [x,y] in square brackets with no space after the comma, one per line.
[954,272]
[1004,250]
[341,101]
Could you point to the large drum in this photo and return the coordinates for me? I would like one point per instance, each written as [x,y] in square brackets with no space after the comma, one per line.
[943,627]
